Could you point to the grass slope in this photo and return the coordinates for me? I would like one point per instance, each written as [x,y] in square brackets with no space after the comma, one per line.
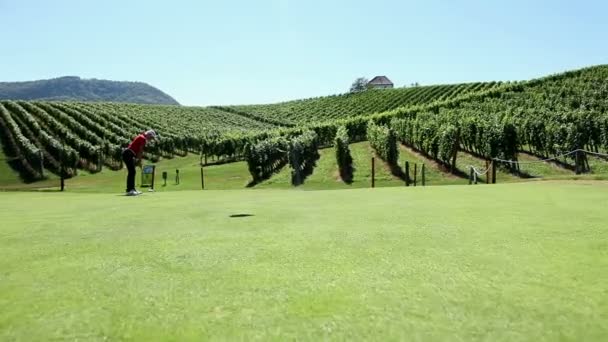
[8,176]
[235,176]
[326,176]
[521,262]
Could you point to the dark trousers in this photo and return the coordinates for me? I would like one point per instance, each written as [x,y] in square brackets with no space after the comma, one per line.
[129,158]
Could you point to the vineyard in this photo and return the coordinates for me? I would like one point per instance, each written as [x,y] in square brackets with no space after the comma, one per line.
[544,117]
[346,106]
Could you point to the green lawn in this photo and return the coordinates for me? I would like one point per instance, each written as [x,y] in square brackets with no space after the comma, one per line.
[519,262]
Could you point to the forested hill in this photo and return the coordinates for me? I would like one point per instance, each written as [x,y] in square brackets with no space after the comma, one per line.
[72,88]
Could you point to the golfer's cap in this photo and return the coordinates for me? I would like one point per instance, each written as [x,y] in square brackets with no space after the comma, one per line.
[151,133]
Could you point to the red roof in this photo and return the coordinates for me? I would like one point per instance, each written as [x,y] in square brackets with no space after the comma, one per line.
[380,80]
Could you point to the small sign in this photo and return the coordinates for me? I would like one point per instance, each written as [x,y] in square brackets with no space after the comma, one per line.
[147,176]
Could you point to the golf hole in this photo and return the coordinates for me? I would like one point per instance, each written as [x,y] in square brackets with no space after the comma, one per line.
[240,215]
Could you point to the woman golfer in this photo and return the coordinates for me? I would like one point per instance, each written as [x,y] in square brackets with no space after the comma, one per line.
[132,156]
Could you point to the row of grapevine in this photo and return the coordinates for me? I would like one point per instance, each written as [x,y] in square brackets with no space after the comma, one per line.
[106,135]
[384,141]
[343,155]
[22,147]
[111,143]
[271,121]
[56,157]
[303,155]
[349,105]
[87,153]
[266,157]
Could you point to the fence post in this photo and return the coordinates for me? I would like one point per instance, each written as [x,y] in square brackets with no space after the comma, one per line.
[202,179]
[577,161]
[493,171]
[423,176]
[62,167]
[294,161]
[470,175]
[373,173]
[487,172]
[407,173]
[41,164]
[415,172]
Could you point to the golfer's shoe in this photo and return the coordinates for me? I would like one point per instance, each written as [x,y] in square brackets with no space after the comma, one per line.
[132,193]
[138,192]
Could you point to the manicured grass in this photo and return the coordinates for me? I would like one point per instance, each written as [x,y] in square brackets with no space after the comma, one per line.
[520,262]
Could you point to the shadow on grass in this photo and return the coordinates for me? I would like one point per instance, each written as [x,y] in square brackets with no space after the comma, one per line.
[240,215]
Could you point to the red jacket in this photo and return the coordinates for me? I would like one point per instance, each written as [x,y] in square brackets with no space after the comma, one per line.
[137,145]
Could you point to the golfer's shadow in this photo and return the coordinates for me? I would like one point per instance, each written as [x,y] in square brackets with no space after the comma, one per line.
[240,215]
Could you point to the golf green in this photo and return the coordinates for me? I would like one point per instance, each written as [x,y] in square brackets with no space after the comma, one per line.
[523,262]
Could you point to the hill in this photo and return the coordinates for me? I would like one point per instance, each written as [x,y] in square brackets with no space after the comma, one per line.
[73,88]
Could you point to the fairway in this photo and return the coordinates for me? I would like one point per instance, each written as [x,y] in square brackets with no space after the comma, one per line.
[516,262]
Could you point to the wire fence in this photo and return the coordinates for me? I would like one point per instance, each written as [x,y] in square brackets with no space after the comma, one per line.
[578,162]
[19,174]
[563,155]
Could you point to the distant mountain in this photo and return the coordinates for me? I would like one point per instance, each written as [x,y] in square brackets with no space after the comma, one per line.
[72,88]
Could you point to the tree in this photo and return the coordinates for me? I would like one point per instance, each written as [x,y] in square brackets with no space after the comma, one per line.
[360,84]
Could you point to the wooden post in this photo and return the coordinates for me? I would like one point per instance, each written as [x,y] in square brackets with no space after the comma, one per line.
[577,162]
[407,173]
[297,171]
[153,175]
[493,171]
[471,175]
[487,172]
[423,176]
[62,167]
[373,173]
[202,179]
[41,164]
[415,173]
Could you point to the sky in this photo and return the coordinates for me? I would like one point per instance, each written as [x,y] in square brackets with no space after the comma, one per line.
[265,51]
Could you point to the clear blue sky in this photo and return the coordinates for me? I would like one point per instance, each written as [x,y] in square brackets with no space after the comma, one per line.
[237,52]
